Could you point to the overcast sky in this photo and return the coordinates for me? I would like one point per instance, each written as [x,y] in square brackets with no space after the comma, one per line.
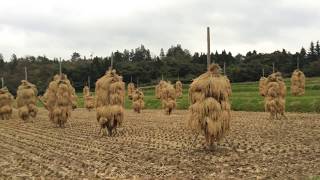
[57,28]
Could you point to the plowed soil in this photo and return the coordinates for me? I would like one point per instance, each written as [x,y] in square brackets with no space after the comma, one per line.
[154,145]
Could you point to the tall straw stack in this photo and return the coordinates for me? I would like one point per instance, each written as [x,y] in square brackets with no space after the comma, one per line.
[6,99]
[74,96]
[88,98]
[158,89]
[110,93]
[210,109]
[275,96]
[262,86]
[131,90]
[59,99]
[168,97]
[26,100]
[138,100]
[178,89]
[86,91]
[298,83]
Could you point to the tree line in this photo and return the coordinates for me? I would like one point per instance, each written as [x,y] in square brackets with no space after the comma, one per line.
[141,67]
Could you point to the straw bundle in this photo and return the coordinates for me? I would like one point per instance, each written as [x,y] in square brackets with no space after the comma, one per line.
[178,89]
[297,83]
[89,102]
[131,90]
[59,99]
[168,97]
[210,110]
[26,100]
[5,104]
[88,98]
[49,97]
[110,93]
[64,103]
[138,102]
[262,86]
[74,97]
[229,89]
[275,96]
[86,91]
[158,89]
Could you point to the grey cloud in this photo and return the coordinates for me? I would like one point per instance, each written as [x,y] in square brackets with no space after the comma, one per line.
[235,24]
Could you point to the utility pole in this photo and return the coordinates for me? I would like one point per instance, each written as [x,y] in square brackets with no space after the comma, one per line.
[208,47]
[262,72]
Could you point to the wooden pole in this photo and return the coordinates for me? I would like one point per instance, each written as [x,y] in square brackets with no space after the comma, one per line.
[137,82]
[25,73]
[60,67]
[2,82]
[208,47]
[89,82]
[272,67]
[262,72]
[111,60]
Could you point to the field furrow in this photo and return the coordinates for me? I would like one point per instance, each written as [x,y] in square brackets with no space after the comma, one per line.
[152,144]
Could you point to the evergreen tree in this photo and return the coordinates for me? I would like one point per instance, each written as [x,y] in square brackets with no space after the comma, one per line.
[317,49]
[303,52]
[75,56]
[1,61]
[162,55]
[312,52]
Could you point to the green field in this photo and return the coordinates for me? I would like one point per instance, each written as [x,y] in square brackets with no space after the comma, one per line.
[245,97]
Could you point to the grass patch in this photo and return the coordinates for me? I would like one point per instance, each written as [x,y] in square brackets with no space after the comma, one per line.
[245,97]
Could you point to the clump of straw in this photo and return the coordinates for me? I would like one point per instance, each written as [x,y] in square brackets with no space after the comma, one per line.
[275,96]
[262,86]
[26,100]
[178,89]
[131,90]
[168,97]
[6,100]
[298,83]
[138,102]
[59,99]
[158,89]
[210,109]
[110,93]
[88,98]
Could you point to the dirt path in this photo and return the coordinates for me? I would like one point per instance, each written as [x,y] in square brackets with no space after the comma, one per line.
[152,144]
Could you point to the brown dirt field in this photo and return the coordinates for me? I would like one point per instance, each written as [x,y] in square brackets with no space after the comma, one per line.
[152,144]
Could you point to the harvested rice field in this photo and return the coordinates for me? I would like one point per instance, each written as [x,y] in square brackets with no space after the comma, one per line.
[152,144]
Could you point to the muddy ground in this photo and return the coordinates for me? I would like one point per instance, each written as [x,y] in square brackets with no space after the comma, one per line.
[152,144]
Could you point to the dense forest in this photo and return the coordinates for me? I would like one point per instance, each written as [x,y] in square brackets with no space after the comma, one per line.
[140,66]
